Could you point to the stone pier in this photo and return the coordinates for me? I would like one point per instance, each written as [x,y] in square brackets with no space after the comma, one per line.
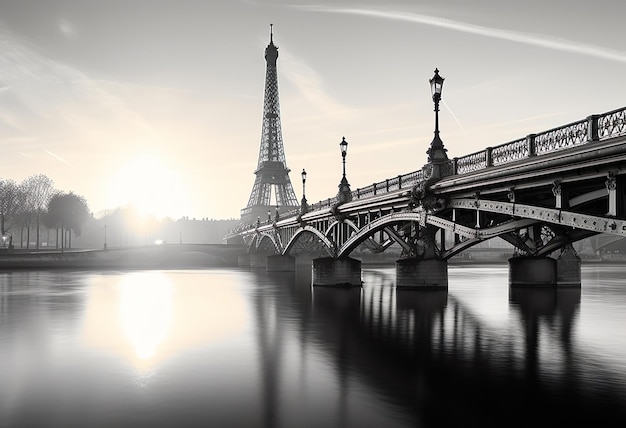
[258,260]
[243,260]
[423,274]
[527,271]
[328,271]
[568,268]
[280,263]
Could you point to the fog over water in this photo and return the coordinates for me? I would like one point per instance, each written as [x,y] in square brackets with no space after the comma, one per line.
[241,347]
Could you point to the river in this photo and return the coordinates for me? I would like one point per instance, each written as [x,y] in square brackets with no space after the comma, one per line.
[245,348]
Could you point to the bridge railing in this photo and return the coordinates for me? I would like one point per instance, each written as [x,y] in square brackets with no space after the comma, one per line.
[592,129]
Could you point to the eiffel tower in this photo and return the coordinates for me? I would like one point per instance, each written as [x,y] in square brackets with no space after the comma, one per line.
[272,171]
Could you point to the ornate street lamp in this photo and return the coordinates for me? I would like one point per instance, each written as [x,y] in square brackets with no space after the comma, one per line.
[345,194]
[304,206]
[436,152]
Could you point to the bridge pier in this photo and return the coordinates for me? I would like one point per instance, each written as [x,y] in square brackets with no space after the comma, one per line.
[243,260]
[526,271]
[423,274]
[568,268]
[545,271]
[328,271]
[258,260]
[280,263]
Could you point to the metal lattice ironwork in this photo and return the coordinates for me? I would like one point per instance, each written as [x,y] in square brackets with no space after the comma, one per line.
[272,172]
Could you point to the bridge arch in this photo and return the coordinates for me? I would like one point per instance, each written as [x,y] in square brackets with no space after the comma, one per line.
[332,231]
[318,234]
[264,240]
[375,226]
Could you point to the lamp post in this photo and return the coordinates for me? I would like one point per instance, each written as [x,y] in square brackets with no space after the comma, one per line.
[436,152]
[345,195]
[105,236]
[304,206]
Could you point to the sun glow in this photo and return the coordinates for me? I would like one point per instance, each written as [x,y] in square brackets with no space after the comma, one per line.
[145,311]
[151,187]
[148,317]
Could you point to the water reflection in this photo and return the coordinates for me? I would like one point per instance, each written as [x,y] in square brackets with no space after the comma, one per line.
[147,317]
[435,357]
[145,311]
[247,348]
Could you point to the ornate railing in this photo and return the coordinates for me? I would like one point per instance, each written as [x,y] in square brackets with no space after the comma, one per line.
[510,152]
[595,128]
[611,124]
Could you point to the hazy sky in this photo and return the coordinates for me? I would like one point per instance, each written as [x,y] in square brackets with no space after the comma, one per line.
[170,92]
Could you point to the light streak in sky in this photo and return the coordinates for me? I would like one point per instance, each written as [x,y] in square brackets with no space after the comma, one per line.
[540,40]
[454,116]
[57,157]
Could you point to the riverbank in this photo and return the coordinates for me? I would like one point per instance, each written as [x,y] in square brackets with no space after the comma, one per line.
[148,257]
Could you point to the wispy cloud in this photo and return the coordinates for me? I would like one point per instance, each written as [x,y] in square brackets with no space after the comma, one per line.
[540,40]
[309,83]
[57,157]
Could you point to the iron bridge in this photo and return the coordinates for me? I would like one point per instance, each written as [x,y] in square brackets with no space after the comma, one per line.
[540,193]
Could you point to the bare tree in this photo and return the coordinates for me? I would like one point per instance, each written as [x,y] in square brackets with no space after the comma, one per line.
[39,191]
[9,206]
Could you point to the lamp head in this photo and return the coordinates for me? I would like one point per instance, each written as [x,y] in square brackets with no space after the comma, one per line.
[436,85]
[344,146]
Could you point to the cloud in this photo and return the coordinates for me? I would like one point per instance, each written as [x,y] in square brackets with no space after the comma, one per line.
[67,29]
[57,157]
[308,83]
[45,99]
[540,40]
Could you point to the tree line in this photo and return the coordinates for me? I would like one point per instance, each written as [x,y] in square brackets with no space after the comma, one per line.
[34,203]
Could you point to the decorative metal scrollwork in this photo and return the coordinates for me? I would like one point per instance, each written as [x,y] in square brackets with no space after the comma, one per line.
[511,194]
[612,124]
[427,171]
[561,138]
[471,163]
[334,210]
[611,182]
[417,194]
[556,188]
[510,152]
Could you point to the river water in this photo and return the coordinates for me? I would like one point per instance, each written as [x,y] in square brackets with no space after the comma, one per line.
[245,348]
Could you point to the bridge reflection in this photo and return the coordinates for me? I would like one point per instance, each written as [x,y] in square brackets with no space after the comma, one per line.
[430,354]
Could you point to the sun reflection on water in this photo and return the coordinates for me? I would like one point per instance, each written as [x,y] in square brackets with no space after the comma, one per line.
[147,317]
[145,311]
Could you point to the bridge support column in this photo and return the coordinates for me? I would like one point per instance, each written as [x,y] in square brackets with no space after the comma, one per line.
[328,271]
[258,260]
[424,274]
[527,271]
[243,260]
[280,263]
[568,268]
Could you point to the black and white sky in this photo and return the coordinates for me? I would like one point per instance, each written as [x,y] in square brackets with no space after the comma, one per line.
[159,102]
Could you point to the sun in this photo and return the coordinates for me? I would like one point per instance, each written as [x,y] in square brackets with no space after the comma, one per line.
[151,186]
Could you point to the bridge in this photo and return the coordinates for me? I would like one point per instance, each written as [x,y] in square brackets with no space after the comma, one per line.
[540,193]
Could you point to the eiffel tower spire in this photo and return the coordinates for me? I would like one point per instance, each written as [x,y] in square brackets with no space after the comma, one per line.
[272,171]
